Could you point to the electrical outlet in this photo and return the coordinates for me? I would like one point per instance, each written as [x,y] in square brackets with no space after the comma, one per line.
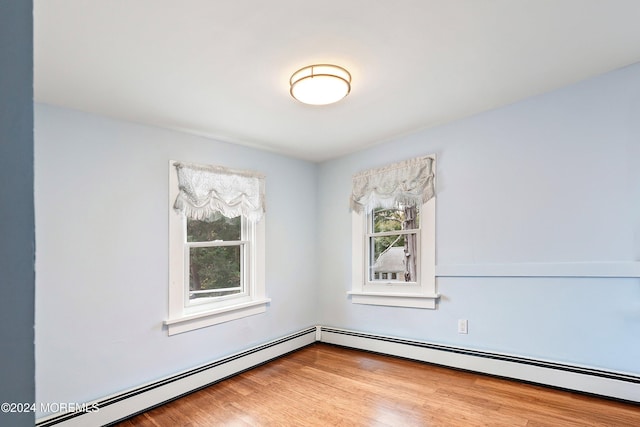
[463,326]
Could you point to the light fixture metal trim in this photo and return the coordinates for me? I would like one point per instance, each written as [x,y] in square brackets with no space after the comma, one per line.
[320,84]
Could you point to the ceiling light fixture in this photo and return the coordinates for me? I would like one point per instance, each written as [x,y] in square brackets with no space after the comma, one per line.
[320,84]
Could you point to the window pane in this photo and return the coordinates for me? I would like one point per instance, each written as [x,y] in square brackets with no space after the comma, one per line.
[214,271]
[393,258]
[221,228]
[402,218]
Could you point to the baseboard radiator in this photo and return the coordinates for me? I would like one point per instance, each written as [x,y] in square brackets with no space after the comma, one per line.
[616,385]
[123,405]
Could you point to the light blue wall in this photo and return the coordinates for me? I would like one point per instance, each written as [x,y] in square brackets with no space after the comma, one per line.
[551,179]
[101,189]
[17,383]
[548,180]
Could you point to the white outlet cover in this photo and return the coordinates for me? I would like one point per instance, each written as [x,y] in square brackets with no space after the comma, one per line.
[463,326]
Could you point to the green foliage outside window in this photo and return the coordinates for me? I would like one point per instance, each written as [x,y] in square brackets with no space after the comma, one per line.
[222,228]
[401,218]
[215,267]
[389,220]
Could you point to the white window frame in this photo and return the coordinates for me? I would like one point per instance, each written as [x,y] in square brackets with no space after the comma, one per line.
[184,316]
[419,294]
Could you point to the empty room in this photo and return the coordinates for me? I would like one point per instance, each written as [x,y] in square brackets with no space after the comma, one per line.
[418,212]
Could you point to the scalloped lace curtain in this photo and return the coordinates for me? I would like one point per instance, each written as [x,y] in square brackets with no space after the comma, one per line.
[407,183]
[209,191]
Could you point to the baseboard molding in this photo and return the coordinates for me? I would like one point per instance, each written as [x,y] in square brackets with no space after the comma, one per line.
[106,411]
[616,385]
[123,405]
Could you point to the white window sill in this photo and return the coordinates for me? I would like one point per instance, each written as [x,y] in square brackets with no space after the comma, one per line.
[394,299]
[215,316]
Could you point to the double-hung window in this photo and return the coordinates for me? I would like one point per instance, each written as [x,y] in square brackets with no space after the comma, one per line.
[216,253]
[393,235]
[216,244]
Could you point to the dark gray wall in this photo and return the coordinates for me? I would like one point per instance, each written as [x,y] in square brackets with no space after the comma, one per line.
[17,285]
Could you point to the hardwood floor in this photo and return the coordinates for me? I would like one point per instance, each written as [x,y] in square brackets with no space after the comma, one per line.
[324,385]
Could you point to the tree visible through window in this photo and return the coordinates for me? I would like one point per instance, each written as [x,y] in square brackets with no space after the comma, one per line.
[393,244]
[216,254]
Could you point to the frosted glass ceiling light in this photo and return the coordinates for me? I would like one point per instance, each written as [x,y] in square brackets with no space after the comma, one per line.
[320,84]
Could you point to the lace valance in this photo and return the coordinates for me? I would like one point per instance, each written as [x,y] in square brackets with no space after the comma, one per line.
[408,183]
[208,191]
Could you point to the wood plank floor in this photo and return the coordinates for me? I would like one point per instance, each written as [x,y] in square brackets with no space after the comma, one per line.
[324,385]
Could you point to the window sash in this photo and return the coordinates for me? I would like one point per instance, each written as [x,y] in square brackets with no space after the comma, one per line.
[369,260]
[244,288]
[209,291]
[393,232]
[216,243]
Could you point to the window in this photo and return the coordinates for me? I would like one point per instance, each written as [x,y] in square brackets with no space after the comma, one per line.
[392,240]
[393,235]
[216,243]
[216,252]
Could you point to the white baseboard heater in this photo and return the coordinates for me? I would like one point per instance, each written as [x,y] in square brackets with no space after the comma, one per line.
[109,410]
[616,385]
[112,409]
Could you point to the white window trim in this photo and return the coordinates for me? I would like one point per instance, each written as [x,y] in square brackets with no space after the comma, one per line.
[420,295]
[183,318]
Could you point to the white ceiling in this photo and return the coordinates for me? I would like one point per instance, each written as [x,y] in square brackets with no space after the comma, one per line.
[221,68]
